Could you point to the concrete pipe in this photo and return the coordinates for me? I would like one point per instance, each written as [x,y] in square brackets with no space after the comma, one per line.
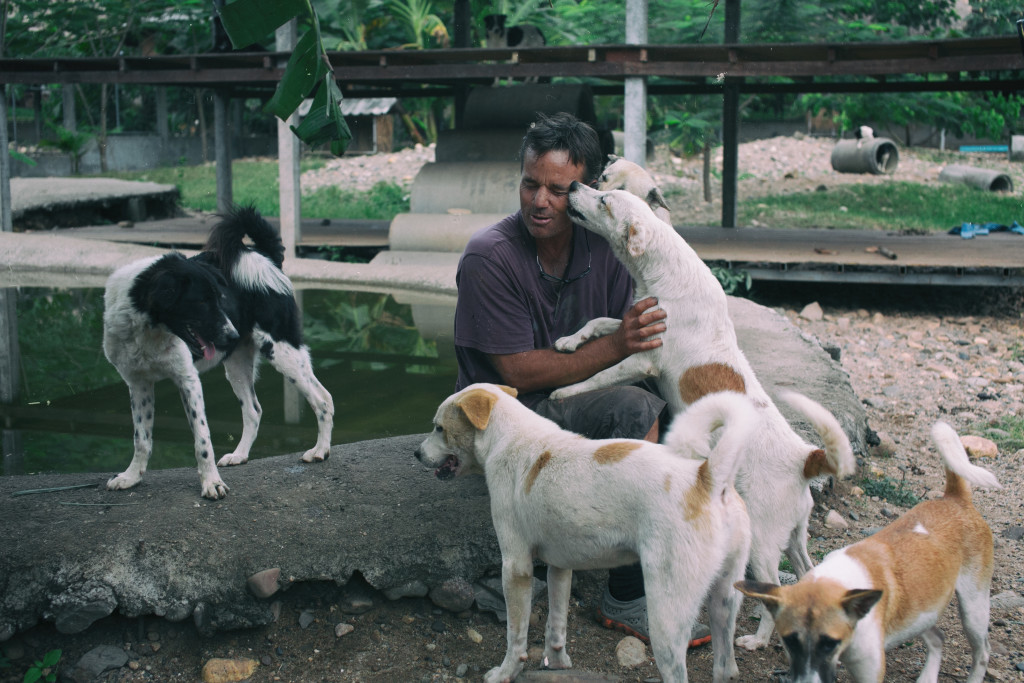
[517,106]
[436,232]
[877,155]
[981,178]
[471,187]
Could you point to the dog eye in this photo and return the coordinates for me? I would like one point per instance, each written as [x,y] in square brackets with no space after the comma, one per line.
[438,428]
[827,645]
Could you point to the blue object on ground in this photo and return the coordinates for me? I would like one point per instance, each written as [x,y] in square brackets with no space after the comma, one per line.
[985,148]
[970,230]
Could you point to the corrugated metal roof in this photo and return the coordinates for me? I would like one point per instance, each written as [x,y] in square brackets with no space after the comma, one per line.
[371,106]
[360,106]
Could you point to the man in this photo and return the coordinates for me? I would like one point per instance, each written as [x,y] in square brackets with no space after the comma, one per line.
[534,277]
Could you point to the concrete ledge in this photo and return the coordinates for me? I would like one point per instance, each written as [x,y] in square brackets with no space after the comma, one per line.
[45,203]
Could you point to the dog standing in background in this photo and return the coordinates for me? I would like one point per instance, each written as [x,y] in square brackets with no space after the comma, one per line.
[622,174]
[174,317]
[523,35]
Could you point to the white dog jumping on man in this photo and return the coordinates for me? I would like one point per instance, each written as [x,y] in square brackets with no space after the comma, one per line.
[893,586]
[700,356]
[575,503]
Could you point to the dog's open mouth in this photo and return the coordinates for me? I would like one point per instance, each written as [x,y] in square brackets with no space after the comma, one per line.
[448,469]
[200,347]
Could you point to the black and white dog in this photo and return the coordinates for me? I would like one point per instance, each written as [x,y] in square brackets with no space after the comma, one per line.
[174,317]
[498,35]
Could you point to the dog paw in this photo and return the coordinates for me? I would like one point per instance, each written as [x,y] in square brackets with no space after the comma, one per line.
[557,659]
[569,344]
[497,675]
[215,489]
[316,454]
[750,643]
[122,481]
[233,459]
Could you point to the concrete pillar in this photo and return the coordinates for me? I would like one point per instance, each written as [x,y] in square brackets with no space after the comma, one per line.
[288,148]
[635,101]
[5,167]
[67,98]
[222,151]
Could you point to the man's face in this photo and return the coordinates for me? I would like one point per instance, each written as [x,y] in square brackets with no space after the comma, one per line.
[544,192]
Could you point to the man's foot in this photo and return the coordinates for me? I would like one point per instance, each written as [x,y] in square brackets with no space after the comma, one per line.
[630,617]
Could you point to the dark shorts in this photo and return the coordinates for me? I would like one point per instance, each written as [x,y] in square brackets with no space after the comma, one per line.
[612,413]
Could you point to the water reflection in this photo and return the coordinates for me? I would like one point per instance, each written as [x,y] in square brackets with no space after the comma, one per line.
[387,359]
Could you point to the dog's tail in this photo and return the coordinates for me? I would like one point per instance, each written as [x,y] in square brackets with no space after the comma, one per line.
[691,432]
[257,268]
[837,458]
[226,240]
[960,473]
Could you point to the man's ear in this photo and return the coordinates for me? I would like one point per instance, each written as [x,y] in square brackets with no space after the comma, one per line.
[476,405]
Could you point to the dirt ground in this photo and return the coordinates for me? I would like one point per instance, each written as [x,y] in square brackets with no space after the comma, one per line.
[913,355]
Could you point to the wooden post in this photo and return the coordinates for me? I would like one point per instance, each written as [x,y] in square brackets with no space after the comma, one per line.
[288,147]
[730,122]
[222,151]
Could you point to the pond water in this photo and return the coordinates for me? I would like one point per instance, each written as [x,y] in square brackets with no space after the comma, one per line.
[388,362]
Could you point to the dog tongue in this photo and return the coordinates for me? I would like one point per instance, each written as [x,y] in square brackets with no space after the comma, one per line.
[208,348]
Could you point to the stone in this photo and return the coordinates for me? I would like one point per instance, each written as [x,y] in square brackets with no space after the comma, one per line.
[631,652]
[474,635]
[834,520]
[412,589]
[79,607]
[343,629]
[265,583]
[97,661]
[1007,600]
[228,670]
[454,595]
[979,446]
[812,312]
[306,618]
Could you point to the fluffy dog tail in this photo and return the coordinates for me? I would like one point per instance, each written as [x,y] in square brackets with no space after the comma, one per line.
[257,268]
[691,432]
[838,457]
[960,473]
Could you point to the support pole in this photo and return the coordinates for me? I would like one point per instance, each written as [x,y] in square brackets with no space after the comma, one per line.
[730,122]
[222,150]
[288,161]
[635,103]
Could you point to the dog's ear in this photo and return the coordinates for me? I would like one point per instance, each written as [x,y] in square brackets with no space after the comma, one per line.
[612,158]
[511,391]
[768,593]
[857,603]
[656,199]
[476,404]
[166,288]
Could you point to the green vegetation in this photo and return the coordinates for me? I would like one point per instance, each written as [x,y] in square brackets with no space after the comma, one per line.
[893,206]
[256,183]
[890,490]
[1007,432]
[44,669]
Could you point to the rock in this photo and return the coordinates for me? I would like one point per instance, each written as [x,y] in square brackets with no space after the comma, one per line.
[97,661]
[306,618]
[834,520]
[1014,533]
[454,595]
[228,670]
[979,447]
[474,635]
[631,652]
[265,583]
[812,312]
[343,630]
[356,600]
[412,589]
[1007,600]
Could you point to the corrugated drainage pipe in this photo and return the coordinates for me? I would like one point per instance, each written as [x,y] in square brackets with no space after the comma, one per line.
[877,155]
[981,178]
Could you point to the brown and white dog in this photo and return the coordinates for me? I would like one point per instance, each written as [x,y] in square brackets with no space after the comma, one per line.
[700,356]
[875,594]
[623,174]
[575,503]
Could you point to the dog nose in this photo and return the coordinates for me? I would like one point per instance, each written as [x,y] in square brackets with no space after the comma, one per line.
[574,185]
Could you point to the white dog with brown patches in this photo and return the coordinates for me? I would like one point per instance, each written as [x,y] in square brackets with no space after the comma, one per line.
[574,503]
[622,174]
[700,356]
[880,592]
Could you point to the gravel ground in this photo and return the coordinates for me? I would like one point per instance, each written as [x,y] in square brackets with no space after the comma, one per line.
[914,355]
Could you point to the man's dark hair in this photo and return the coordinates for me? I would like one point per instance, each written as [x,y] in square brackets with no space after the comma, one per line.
[563,131]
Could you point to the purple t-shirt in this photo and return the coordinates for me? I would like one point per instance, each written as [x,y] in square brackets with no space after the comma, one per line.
[505,306]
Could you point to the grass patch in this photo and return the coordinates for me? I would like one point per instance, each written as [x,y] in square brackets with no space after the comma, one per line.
[890,490]
[893,206]
[256,183]
[1007,433]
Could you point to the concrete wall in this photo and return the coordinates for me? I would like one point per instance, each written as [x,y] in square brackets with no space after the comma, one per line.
[132,152]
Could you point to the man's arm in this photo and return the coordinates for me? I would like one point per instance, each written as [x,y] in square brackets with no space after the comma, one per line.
[547,369]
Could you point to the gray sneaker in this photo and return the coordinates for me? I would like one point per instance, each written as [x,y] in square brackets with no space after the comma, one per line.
[631,618]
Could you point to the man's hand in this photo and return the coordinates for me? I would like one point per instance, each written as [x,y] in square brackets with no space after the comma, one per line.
[639,326]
